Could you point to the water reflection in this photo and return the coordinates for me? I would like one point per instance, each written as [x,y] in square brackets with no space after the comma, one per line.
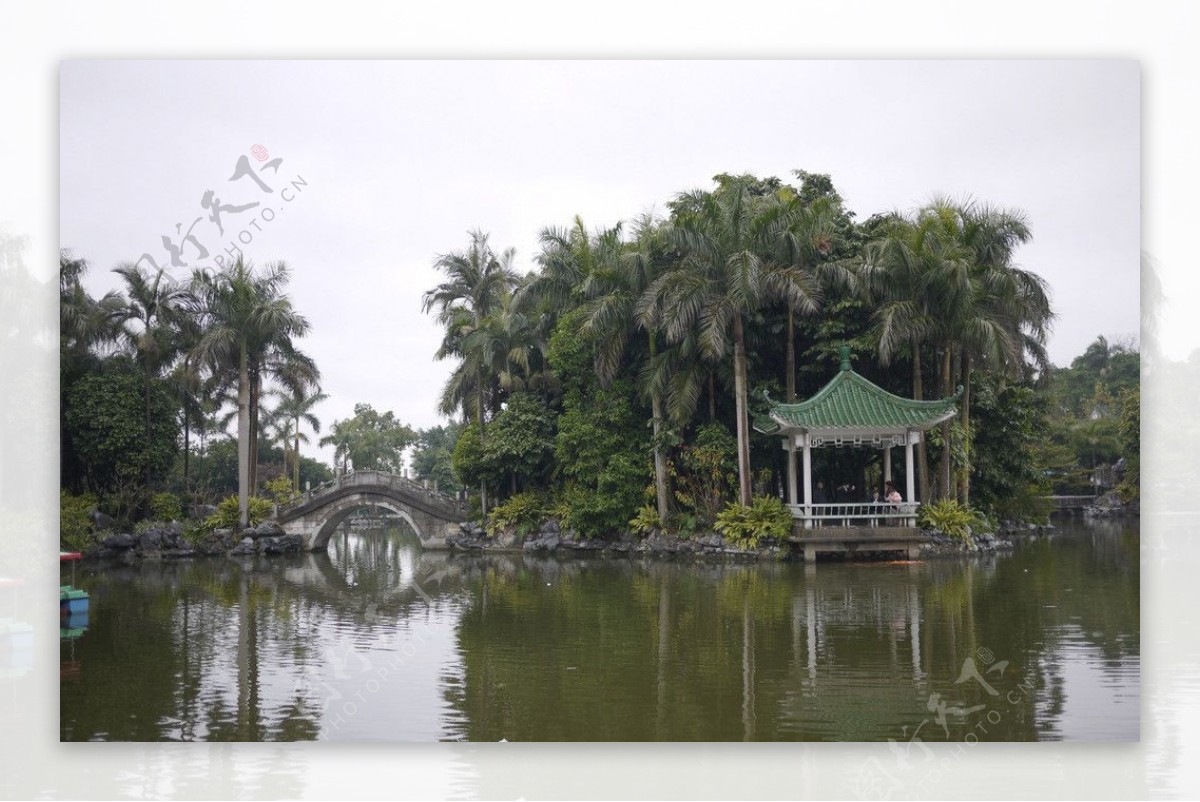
[377,640]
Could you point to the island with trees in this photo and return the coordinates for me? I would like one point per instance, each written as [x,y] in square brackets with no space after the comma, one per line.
[610,391]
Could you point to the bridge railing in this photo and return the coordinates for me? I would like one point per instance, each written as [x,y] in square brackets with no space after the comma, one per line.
[373,479]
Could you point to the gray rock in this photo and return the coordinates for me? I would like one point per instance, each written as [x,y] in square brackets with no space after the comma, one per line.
[547,543]
[119,541]
[150,540]
[245,546]
[268,529]
[102,521]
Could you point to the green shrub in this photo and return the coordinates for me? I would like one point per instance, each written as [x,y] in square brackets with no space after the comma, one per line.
[747,527]
[227,514]
[77,532]
[704,474]
[645,520]
[607,507]
[280,490]
[948,517]
[166,507]
[523,512]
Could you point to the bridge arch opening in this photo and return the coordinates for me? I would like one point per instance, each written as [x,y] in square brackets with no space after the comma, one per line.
[347,507]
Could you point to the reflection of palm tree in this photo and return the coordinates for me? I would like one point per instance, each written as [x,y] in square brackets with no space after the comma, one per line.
[249,725]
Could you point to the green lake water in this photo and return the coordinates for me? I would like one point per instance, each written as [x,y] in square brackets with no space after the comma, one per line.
[378,640]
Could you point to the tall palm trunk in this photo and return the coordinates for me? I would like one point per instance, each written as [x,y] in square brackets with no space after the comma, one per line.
[147,405]
[743,433]
[947,379]
[964,482]
[183,404]
[483,499]
[791,355]
[712,398]
[243,440]
[296,457]
[922,452]
[255,392]
[660,460]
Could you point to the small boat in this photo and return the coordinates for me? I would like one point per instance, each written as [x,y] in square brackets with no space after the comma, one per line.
[72,600]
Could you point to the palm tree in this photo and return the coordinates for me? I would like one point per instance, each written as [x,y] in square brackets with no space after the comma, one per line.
[944,277]
[287,366]
[568,259]
[297,407]
[152,303]
[1007,316]
[727,239]
[85,323]
[802,248]
[248,326]
[614,287]
[477,282]
[342,437]
[896,276]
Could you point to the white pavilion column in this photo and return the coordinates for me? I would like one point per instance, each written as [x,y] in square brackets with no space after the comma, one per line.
[887,461]
[790,445]
[807,479]
[909,479]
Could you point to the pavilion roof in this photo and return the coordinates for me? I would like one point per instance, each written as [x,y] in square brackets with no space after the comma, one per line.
[851,402]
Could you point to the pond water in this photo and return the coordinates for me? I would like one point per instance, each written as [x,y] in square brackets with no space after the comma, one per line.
[378,640]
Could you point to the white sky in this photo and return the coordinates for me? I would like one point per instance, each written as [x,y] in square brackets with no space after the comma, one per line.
[402,158]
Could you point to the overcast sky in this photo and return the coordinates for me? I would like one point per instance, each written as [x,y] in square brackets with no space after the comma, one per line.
[384,165]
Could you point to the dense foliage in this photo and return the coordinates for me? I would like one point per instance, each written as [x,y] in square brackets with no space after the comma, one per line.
[644,347]
[614,386]
[370,440]
[1092,425]
[147,371]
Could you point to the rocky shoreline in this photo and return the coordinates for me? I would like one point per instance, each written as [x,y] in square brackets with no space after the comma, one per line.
[168,541]
[552,539]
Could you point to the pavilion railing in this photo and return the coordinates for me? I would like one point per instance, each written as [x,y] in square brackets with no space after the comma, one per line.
[879,513]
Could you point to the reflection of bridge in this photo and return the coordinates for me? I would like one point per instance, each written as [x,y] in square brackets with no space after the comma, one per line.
[316,514]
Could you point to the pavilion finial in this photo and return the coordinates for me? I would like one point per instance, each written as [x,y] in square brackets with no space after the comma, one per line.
[844,351]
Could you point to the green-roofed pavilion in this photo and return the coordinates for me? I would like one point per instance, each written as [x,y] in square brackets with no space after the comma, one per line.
[851,411]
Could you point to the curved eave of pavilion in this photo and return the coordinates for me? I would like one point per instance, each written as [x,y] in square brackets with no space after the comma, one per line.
[850,403]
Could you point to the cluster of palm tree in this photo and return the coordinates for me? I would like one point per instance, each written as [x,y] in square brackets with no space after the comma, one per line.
[676,301]
[944,277]
[221,338]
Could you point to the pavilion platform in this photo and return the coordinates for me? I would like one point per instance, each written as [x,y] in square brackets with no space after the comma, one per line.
[905,540]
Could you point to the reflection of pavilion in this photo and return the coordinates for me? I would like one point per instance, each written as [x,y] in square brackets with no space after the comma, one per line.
[852,411]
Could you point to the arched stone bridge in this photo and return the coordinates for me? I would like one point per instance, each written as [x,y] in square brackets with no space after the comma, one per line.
[316,515]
